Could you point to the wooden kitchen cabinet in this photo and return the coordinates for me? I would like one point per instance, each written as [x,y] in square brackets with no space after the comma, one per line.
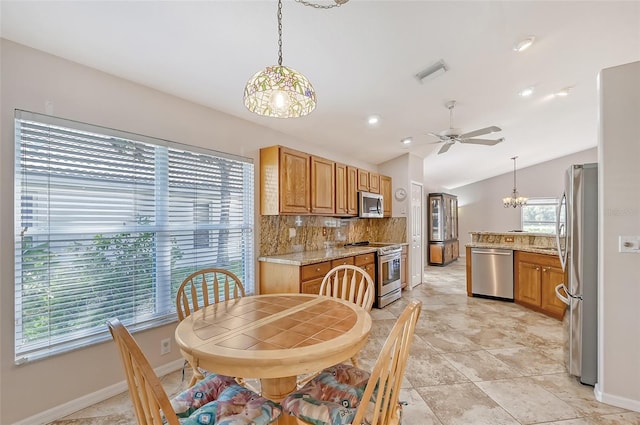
[323,184]
[277,278]
[443,229]
[285,176]
[311,277]
[535,279]
[368,181]
[294,182]
[346,190]
[352,191]
[367,262]
[341,190]
[363,180]
[385,191]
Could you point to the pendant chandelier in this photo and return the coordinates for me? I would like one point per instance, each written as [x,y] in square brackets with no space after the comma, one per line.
[279,91]
[514,200]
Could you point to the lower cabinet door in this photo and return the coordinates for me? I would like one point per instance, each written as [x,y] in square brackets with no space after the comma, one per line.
[552,277]
[528,291]
[311,286]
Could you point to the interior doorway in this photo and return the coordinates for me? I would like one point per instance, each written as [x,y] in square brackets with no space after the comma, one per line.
[416,253]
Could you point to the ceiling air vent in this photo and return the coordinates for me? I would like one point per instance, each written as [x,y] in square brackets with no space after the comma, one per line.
[432,71]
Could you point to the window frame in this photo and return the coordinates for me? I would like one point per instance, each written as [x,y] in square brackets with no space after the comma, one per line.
[239,232]
[525,225]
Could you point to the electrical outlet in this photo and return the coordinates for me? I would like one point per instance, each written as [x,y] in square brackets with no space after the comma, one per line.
[165,346]
[292,232]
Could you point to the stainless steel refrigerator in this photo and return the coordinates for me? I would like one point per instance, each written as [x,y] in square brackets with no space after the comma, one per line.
[577,237]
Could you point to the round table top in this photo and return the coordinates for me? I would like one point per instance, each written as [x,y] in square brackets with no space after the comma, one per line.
[273,336]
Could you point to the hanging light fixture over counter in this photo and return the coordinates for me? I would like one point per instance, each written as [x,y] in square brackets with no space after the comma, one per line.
[279,91]
[514,200]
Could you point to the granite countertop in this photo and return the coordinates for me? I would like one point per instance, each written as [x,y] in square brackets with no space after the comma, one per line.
[515,247]
[317,256]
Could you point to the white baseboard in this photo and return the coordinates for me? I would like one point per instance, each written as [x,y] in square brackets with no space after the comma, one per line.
[614,400]
[85,401]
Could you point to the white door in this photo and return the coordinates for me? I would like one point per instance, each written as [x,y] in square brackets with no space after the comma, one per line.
[416,254]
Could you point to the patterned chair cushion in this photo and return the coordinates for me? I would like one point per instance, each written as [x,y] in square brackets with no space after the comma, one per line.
[330,398]
[203,392]
[236,405]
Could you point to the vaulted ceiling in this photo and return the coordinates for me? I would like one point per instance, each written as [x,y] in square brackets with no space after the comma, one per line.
[362,58]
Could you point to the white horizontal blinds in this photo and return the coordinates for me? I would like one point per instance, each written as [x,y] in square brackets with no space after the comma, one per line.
[211,215]
[94,232]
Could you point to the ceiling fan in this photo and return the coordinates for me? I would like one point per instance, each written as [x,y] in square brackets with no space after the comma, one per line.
[453,135]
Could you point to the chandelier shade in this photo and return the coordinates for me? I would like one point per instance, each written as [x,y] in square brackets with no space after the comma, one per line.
[515,200]
[280,92]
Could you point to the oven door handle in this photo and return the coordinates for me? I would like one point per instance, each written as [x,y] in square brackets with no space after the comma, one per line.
[389,257]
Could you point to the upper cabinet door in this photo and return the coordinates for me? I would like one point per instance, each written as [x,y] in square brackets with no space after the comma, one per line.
[323,183]
[341,189]
[352,190]
[295,187]
[385,190]
[374,183]
[363,180]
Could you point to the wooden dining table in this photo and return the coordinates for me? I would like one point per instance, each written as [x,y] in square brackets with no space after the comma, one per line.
[274,338]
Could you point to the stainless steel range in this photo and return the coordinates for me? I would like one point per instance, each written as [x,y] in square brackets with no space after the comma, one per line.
[388,266]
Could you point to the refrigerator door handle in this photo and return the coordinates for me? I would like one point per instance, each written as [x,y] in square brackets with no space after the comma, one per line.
[563,298]
[561,232]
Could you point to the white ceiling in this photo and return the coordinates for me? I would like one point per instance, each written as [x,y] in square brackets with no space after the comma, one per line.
[362,58]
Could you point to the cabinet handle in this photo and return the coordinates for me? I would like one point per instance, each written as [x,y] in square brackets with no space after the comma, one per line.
[537,268]
[318,269]
[544,269]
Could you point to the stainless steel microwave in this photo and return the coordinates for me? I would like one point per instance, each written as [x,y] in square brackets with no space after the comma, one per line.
[370,205]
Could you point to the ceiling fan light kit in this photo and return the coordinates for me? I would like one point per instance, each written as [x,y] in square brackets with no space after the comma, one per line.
[515,200]
[453,135]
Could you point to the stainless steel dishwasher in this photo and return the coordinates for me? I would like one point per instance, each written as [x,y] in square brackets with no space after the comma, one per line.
[492,273]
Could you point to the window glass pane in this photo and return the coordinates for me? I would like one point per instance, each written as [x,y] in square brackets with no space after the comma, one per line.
[539,215]
[109,226]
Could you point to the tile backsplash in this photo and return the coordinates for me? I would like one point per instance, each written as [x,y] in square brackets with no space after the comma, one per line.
[311,232]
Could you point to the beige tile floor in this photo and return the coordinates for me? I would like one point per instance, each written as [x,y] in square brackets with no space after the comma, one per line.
[473,361]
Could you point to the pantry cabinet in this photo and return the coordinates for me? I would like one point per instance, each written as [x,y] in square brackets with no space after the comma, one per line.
[535,279]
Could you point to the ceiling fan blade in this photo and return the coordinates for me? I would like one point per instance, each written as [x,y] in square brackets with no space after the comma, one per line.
[480,132]
[437,136]
[488,142]
[445,148]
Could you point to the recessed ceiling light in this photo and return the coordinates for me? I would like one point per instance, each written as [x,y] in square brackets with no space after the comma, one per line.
[524,44]
[563,92]
[373,119]
[406,141]
[526,92]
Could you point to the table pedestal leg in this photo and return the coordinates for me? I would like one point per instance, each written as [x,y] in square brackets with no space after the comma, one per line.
[277,389]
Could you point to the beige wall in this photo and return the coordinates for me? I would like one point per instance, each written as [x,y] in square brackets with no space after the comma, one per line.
[480,204]
[30,79]
[619,214]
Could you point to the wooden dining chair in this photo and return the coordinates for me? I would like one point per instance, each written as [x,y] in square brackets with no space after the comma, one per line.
[344,394]
[350,283]
[202,288]
[219,393]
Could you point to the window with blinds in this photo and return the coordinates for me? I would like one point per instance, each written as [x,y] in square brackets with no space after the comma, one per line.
[109,223]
